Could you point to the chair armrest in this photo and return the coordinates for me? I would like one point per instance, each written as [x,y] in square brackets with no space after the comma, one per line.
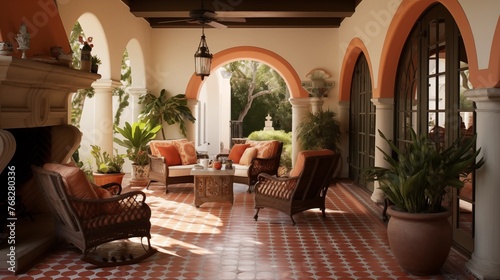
[264,165]
[157,163]
[277,187]
[114,188]
[90,208]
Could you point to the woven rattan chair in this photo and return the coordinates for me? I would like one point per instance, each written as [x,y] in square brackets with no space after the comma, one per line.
[295,194]
[88,223]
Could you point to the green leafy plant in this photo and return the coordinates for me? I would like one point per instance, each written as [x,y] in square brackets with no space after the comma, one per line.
[173,110]
[105,162]
[320,131]
[96,60]
[418,179]
[136,139]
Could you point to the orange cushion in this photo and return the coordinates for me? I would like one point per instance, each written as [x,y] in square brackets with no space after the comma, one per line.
[237,151]
[301,157]
[74,178]
[187,152]
[112,207]
[154,144]
[170,154]
[248,155]
[265,149]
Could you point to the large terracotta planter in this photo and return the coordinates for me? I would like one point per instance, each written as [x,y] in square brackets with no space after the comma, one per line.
[420,242]
[102,179]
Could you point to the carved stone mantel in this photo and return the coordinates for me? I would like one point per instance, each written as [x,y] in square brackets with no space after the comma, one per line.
[34,94]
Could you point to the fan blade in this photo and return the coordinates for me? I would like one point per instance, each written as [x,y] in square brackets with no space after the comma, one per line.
[226,19]
[216,24]
[173,21]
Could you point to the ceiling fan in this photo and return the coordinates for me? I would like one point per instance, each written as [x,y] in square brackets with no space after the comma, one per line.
[205,17]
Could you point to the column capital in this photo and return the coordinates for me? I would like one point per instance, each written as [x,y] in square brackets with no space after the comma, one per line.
[106,84]
[299,102]
[136,92]
[485,98]
[387,103]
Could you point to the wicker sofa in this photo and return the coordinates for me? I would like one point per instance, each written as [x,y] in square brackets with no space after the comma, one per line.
[171,161]
[252,158]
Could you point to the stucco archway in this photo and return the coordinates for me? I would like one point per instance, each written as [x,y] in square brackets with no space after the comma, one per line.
[278,63]
[401,25]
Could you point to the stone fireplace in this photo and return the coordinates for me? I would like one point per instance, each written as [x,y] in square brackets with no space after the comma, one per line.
[34,117]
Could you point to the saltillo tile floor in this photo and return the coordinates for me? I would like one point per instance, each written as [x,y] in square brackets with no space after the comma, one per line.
[220,241]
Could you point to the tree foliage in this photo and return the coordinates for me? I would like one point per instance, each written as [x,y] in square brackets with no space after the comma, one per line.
[258,90]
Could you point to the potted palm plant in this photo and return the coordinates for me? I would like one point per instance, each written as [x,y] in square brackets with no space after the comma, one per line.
[161,109]
[136,138]
[320,131]
[418,182]
[109,168]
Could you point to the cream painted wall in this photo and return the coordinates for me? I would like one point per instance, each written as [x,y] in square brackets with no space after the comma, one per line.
[173,50]
[483,17]
[370,23]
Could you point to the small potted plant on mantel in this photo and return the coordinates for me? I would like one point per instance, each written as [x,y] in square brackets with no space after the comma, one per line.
[109,168]
[417,182]
[95,62]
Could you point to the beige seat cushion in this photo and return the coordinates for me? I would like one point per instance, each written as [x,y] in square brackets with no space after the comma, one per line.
[240,170]
[180,170]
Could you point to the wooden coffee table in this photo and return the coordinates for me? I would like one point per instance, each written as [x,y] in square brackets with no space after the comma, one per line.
[212,185]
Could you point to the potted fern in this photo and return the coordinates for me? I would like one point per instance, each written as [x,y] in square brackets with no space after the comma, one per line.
[109,168]
[417,181]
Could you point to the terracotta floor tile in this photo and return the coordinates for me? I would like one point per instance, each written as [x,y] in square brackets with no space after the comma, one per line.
[220,241]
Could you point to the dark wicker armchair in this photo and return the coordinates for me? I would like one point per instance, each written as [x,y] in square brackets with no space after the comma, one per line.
[299,193]
[88,223]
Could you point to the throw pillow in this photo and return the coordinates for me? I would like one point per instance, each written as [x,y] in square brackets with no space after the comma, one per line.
[265,149]
[170,154]
[187,152]
[248,155]
[301,158]
[75,181]
[237,151]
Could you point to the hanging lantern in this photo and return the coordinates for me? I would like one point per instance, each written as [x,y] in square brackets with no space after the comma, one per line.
[202,58]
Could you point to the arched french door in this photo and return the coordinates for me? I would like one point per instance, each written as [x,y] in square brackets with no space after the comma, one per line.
[431,78]
[362,123]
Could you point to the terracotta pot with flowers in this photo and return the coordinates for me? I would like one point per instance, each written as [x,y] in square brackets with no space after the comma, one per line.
[417,182]
[86,56]
[136,138]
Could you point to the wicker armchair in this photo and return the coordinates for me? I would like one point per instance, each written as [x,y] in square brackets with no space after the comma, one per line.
[299,193]
[88,223]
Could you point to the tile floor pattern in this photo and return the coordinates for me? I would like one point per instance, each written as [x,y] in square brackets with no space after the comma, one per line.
[220,241]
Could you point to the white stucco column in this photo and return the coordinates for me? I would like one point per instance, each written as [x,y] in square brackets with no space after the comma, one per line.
[316,104]
[134,105]
[485,261]
[384,115]
[300,108]
[191,127]
[103,114]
